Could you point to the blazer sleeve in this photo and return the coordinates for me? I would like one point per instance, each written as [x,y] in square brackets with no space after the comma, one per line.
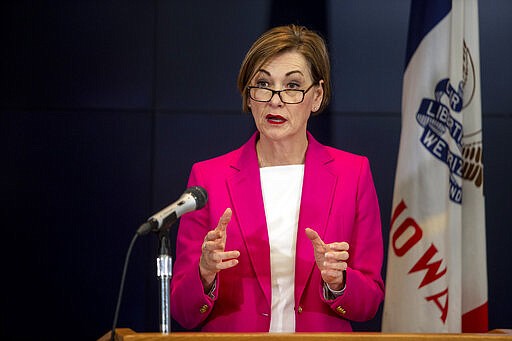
[364,288]
[190,306]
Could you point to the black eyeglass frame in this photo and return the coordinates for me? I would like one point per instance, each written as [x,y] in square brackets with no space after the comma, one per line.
[278,92]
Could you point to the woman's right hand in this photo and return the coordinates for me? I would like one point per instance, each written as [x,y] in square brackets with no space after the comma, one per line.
[213,257]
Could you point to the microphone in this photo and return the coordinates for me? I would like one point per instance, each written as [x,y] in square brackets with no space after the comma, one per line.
[192,199]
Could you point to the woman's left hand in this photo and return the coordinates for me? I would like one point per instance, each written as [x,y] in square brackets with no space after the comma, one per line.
[330,259]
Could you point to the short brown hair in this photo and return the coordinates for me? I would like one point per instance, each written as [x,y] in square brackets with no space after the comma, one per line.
[284,38]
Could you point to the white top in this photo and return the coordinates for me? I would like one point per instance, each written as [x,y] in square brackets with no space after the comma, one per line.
[282,189]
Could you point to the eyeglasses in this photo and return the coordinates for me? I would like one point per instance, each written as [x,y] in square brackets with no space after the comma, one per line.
[288,96]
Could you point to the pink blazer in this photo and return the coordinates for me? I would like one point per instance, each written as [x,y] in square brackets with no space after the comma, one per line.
[338,201]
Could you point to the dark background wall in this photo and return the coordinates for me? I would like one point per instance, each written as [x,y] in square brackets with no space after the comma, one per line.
[105,105]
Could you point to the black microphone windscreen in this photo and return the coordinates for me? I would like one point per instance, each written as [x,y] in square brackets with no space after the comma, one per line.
[199,193]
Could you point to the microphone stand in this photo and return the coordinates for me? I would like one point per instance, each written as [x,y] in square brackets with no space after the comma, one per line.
[194,198]
[164,273]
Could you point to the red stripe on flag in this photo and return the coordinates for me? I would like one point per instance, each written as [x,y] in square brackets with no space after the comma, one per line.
[476,320]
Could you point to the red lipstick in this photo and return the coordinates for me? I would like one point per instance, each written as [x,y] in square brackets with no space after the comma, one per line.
[275,119]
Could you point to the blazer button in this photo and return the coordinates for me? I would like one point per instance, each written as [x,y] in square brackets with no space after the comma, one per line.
[203,309]
[299,309]
[340,310]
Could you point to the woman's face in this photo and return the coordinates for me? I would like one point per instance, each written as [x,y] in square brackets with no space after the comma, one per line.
[278,121]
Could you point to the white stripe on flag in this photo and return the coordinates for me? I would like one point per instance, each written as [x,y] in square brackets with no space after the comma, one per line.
[436,277]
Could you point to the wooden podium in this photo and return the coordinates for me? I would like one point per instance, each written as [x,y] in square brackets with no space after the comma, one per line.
[126,334]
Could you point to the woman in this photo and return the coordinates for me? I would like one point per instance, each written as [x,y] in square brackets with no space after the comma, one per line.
[270,250]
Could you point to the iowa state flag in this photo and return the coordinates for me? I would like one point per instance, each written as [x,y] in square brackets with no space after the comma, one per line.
[436,273]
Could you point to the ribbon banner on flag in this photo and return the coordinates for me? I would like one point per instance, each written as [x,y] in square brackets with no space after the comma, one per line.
[436,277]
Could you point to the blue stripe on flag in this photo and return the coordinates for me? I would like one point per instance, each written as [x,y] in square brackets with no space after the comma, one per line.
[425,14]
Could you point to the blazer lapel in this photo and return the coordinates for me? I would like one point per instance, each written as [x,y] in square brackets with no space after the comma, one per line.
[317,196]
[245,190]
